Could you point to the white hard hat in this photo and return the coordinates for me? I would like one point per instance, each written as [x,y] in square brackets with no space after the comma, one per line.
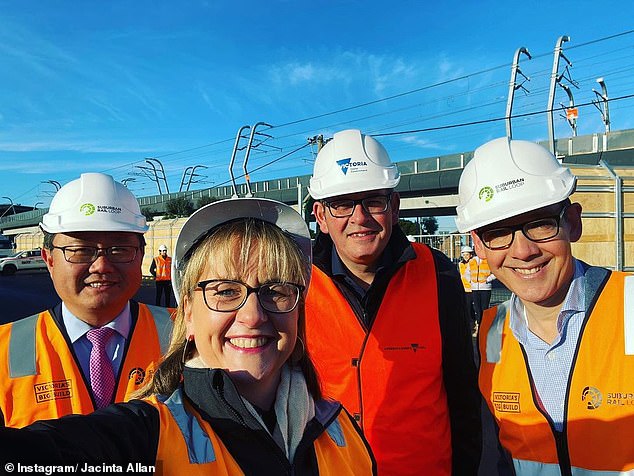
[466,249]
[94,202]
[214,214]
[162,248]
[352,162]
[506,178]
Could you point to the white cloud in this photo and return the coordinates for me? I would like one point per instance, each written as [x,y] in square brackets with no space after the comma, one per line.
[420,142]
[75,146]
[301,73]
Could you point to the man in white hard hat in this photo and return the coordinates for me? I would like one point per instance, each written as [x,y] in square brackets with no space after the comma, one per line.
[161,269]
[386,323]
[557,359]
[97,346]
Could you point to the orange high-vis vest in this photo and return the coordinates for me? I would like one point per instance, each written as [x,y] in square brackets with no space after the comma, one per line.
[597,432]
[188,444]
[40,378]
[163,268]
[479,270]
[465,282]
[390,378]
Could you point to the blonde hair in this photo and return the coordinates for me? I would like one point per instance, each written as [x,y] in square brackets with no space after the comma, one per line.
[231,246]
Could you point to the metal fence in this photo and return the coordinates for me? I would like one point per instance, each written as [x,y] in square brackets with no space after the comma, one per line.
[450,244]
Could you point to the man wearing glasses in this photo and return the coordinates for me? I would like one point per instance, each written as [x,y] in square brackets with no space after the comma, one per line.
[96,346]
[386,323]
[557,359]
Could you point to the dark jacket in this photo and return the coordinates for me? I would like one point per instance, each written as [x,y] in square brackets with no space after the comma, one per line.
[129,432]
[459,370]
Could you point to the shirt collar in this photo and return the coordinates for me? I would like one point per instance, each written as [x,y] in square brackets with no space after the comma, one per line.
[339,269]
[76,328]
[573,302]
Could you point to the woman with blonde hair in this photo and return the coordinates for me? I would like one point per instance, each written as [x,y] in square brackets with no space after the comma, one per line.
[236,392]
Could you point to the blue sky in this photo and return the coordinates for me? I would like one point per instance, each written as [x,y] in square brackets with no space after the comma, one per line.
[100,86]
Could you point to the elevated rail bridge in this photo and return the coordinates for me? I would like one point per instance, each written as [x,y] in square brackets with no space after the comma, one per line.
[604,164]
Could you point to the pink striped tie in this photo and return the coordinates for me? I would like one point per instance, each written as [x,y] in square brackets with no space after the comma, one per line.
[101,373]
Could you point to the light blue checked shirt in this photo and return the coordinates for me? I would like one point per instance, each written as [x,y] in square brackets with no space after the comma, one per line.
[550,364]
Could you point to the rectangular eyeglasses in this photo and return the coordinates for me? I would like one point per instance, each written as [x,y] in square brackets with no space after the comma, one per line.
[89,254]
[345,207]
[225,295]
[542,229]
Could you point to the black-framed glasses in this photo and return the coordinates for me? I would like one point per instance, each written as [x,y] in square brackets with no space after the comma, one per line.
[344,207]
[89,254]
[542,229]
[226,295]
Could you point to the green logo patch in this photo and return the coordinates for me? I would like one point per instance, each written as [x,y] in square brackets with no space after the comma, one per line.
[486,194]
[87,209]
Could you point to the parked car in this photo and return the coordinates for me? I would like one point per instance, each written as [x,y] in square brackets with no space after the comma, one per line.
[23,260]
[6,247]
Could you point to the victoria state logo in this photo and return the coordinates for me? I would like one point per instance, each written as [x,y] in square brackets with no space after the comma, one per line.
[593,397]
[486,194]
[348,164]
[87,209]
[414,347]
[138,374]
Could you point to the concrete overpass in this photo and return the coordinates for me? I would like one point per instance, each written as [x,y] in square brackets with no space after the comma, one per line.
[428,185]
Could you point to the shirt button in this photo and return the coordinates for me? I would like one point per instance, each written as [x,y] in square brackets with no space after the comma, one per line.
[551,356]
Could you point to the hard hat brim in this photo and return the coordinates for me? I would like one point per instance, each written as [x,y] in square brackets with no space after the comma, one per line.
[82,227]
[214,214]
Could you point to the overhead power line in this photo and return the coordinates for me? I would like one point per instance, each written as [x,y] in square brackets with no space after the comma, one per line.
[494,119]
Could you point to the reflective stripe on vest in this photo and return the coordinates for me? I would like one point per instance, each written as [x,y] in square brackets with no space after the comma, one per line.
[534,468]
[599,402]
[41,378]
[22,347]
[22,355]
[462,267]
[629,315]
[199,447]
[163,268]
[594,278]
[163,322]
[185,438]
[481,268]
[336,433]
[494,336]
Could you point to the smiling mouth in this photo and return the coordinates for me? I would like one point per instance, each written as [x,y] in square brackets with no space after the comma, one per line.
[362,234]
[99,284]
[248,342]
[529,271]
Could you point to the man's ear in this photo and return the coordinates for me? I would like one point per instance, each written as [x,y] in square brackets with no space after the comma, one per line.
[396,205]
[573,221]
[319,210]
[477,245]
[47,256]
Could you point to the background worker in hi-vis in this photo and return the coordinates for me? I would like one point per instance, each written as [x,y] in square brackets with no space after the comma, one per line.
[557,355]
[97,345]
[161,269]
